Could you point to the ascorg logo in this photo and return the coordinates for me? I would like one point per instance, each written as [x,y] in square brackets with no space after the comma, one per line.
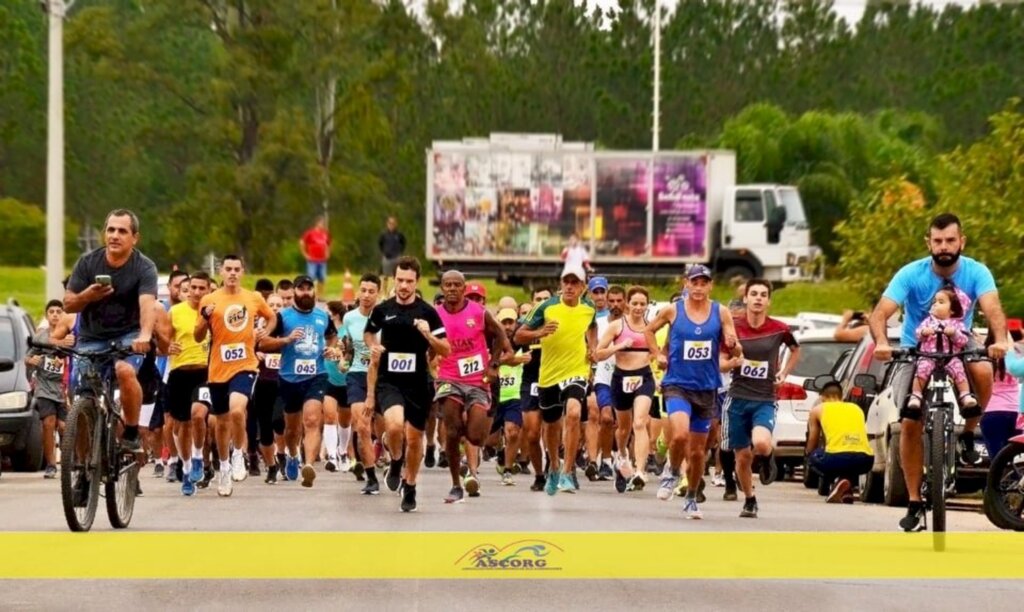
[522,555]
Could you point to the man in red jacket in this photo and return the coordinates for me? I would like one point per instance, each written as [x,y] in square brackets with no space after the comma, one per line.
[315,245]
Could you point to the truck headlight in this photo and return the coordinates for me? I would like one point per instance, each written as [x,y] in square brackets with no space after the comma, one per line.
[15,400]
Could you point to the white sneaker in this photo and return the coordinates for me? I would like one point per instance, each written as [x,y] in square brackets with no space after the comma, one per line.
[345,464]
[718,481]
[224,485]
[238,470]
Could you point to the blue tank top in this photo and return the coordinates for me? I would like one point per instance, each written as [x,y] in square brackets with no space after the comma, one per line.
[335,376]
[693,351]
[303,359]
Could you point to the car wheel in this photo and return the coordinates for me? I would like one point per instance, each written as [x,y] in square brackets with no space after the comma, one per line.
[810,476]
[871,488]
[895,487]
[31,458]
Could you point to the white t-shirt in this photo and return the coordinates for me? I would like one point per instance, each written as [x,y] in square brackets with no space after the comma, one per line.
[605,368]
[576,256]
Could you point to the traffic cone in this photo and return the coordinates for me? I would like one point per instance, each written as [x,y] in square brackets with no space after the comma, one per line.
[348,292]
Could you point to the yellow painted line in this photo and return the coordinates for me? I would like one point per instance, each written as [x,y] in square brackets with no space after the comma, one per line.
[711,555]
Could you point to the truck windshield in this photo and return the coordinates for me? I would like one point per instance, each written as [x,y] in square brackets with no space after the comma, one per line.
[794,207]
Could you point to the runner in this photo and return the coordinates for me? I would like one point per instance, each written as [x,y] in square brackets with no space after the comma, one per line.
[337,415]
[229,315]
[632,384]
[286,290]
[463,388]
[49,395]
[353,327]
[188,374]
[600,424]
[397,378]
[698,326]
[528,397]
[304,335]
[177,292]
[264,404]
[508,419]
[748,415]
[567,330]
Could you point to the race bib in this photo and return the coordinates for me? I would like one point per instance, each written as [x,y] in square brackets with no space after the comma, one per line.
[272,361]
[53,365]
[507,382]
[754,369]
[232,352]
[534,390]
[203,395]
[631,383]
[402,363]
[468,366]
[576,380]
[305,367]
[697,350]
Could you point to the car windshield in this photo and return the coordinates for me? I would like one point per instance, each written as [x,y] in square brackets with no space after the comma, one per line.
[6,338]
[817,358]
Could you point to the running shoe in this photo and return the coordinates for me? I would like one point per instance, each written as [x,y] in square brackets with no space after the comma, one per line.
[565,484]
[749,508]
[442,460]
[524,468]
[271,475]
[330,466]
[208,476]
[188,488]
[539,482]
[718,480]
[282,465]
[371,488]
[344,464]
[455,496]
[581,459]
[701,498]
[158,470]
[605,473]
[51,472]
[667,488]
[170,474]
[408,498]
[472,486]
[81,491]
[359,471]
[499,468]
[730,492]
[224,483]
[291,470]
[551,487]
[254,465]
[637,482]
[308,475]
[915,520]
[575,481]
[507,480]
[131,446]
[591,471]
[428,457]
[690,509]
[516,468]
[238,471]
[195,472]
[621,484]
[839,490]
[393,476]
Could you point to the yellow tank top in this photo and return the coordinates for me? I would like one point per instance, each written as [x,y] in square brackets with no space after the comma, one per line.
[843,425]
[183,320]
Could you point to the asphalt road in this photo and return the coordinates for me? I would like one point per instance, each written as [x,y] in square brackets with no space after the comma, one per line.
[28,503]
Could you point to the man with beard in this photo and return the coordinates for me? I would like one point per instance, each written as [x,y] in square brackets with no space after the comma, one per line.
[913,288]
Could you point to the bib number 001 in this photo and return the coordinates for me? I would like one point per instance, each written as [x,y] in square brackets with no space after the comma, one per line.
[402,363]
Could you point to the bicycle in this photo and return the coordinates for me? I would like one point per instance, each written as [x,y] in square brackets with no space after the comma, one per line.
[939,445]
[89,449]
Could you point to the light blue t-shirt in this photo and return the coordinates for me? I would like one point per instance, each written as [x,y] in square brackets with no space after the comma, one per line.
[915,285]
[304,359]
[352,327]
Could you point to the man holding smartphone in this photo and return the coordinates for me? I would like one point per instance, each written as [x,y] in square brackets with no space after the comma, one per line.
[114,290]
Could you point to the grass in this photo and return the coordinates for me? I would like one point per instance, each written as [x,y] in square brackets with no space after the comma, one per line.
[26,286]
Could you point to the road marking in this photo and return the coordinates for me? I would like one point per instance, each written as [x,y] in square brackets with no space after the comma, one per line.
[722,555]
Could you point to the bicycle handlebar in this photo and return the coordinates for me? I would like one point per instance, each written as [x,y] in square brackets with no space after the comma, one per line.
[114,350]
[909,354]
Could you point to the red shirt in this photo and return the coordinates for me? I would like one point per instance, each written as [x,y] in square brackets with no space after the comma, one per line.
[316,241]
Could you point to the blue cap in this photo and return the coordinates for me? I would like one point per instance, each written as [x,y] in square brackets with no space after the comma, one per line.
[697,271]
[598,282]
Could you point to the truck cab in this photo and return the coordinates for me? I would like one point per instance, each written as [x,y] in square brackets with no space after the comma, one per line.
[764,232]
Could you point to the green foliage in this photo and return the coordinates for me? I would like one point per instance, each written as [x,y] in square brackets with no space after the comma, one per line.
[23,235]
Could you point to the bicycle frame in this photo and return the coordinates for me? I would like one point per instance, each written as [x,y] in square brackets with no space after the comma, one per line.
[101,388]
[935,401]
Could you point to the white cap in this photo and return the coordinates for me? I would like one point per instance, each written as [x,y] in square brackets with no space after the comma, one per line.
[575,270]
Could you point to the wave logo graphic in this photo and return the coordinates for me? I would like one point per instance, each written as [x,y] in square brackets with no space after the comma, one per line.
[522,555]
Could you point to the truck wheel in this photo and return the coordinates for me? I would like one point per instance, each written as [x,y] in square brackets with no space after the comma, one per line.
[742,272]
[31,458]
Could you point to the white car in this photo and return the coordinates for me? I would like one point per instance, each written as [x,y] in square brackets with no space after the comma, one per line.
[819,354]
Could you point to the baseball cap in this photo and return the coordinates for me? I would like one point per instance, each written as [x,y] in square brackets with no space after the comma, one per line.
[574,270]
[476,289]
[824,382]
[598,282]
[697,271]
[302,279]
[507,313]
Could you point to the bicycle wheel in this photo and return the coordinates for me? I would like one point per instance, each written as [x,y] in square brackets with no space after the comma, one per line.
[120,489]
[937,470]
[1004,491]
[80,465]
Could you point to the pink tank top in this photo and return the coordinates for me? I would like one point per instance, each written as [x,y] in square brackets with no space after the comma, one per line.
[639,340]
[467,363]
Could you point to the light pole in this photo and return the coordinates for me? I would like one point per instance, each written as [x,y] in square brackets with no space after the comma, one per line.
[656,123]
[56,10]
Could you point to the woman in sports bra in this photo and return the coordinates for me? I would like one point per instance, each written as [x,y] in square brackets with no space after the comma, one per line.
[632,383]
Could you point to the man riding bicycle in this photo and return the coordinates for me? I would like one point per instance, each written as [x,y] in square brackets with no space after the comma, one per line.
[114,289]
[913,288]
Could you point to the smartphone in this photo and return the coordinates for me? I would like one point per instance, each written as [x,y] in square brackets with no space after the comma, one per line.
[857,315]
[103,279]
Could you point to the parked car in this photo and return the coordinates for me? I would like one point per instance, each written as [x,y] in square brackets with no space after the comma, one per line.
[21,437]
[819,354]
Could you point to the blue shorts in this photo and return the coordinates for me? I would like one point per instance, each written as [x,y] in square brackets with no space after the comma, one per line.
[507,412]
[80,365]
[604,395]
[317,270]
[242,383]
[741,416]
[699,406]
[356,387]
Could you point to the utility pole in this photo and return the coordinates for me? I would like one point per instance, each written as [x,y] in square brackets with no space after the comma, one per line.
[56,10]
[656,123]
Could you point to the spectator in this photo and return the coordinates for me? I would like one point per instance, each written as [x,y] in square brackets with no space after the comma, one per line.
[575,255]
[999,423]
[847,453]
[315,245]
[392,246]
[852,327]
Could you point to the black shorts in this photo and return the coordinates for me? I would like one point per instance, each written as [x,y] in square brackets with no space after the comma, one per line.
[151,416]
[356,387]
[655,407]
[701,404]
[414,399]
[553,399]
[47,407]
[181,391]
[340,395]
[640,383]
[220,393]
[529,395]
[294,395]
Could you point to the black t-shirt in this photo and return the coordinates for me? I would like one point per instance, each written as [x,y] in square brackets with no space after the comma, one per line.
[392,244]
[117,315]
[405,349]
